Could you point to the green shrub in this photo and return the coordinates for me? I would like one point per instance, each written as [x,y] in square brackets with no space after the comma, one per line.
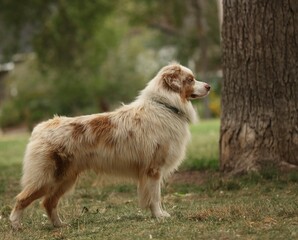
[9,115]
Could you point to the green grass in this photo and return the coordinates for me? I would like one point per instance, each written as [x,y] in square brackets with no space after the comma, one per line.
[203,149]
[255,206]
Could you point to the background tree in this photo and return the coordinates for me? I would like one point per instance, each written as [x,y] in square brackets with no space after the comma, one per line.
[192,27]
[89,56]
[259,121]
[70,40]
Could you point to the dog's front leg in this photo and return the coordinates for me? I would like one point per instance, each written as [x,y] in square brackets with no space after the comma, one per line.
[150,193]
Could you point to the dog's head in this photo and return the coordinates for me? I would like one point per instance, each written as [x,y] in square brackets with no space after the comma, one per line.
[181,80]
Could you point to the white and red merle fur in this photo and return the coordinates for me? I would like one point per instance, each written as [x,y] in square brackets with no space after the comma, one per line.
[145,140]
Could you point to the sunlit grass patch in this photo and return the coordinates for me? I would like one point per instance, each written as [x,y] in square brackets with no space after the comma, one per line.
[12,148]
[202,152]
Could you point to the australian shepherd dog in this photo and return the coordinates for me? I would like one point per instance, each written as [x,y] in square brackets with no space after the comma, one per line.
[144,140]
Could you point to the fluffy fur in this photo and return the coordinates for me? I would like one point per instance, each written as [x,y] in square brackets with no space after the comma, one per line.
[145,140]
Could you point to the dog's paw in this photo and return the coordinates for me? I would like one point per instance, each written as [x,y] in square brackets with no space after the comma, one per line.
[57,222]
[16,225]
[15,221]
[60,224]
[161,215]
[165,214]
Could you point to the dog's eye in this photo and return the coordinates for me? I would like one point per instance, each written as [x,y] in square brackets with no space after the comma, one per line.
[190,79]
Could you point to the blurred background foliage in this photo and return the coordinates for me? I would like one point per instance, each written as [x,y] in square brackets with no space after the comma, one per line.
[71,57]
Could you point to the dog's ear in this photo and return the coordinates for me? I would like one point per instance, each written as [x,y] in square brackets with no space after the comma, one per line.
[171,78]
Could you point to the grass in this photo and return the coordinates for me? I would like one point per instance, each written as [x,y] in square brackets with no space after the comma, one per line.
[203,149]
[256,206]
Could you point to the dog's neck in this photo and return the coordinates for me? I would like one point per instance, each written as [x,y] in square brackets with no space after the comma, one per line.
[175,110]
[171,101]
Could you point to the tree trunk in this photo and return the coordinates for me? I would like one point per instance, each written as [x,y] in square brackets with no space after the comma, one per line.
[259,120]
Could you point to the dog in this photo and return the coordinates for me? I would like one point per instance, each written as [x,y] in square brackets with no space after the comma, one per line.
[144,140]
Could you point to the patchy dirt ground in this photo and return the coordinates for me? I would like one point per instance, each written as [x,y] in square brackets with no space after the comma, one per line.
[190,177]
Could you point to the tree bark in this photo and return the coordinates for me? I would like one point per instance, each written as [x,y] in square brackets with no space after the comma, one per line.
[259,120]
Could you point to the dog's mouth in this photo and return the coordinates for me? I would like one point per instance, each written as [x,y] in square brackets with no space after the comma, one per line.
[197,96]
[194,96]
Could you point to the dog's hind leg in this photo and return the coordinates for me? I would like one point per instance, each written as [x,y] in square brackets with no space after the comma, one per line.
[150,193]
[24,199]
[51,200]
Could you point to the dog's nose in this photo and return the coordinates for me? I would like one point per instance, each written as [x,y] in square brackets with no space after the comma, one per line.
[207,86]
